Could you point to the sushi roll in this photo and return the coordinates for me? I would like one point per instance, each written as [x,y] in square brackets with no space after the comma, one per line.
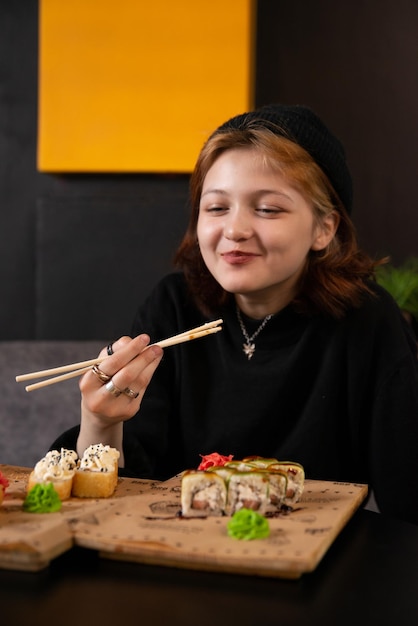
[97,474]
[202,493]
[240,466]
[56,467]
[295,479]
[223,471]
[259,461]
[277,489]
[249,490]
[265,485]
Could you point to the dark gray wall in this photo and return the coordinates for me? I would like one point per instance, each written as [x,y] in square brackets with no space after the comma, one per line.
[356,63]
[78,253]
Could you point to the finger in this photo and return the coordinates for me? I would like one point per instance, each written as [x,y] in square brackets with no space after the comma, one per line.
[118,400]
[137,374]
[113,346]
[134,365]
[117,344]
[99,375]
[125,350]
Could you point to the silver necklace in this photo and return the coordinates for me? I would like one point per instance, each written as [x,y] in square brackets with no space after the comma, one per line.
[249,346]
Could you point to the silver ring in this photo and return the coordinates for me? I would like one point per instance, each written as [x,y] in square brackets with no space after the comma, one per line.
[109,349]
[104,378]
[111,388]
[130,393]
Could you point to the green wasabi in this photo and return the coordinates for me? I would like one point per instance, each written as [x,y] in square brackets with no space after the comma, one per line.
[42,499]
[248,524]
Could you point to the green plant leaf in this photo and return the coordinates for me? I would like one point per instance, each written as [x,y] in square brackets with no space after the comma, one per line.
[402,283]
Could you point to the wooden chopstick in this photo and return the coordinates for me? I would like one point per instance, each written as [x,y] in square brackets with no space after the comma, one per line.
[185,336]
[77,369]
[58,379]
[73,367]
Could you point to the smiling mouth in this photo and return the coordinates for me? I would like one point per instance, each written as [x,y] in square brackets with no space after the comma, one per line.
[238,257]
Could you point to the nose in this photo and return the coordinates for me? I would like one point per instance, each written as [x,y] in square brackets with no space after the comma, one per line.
[237,226]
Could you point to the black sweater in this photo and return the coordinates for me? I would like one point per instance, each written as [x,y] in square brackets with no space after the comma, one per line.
[339,397]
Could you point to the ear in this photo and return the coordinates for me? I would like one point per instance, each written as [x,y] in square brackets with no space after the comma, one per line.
[325,230]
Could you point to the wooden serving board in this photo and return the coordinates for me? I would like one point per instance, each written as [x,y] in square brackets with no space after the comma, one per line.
[141,523]
[29,541]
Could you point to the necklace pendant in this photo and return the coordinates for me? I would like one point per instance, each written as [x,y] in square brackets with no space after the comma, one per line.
[248,349]
[249,346]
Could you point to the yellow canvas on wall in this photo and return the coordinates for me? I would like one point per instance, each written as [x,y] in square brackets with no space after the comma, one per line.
[135,86]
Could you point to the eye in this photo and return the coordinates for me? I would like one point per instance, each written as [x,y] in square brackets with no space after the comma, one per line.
[214,209]
[269,211]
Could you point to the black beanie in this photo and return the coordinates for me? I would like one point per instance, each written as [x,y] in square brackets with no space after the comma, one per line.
[301,125]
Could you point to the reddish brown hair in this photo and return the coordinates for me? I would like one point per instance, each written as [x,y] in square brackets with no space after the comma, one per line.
[334,279]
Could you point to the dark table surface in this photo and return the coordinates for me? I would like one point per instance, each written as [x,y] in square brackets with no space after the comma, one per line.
[368,576]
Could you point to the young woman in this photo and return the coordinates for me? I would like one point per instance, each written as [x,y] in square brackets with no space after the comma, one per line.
[315,362]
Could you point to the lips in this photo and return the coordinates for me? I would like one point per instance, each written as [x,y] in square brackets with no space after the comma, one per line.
[238,257]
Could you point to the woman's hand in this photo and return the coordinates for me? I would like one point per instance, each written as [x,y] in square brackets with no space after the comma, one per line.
[104,407]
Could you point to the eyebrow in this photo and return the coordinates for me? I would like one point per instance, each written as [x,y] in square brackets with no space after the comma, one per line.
[221,191]
[258,192]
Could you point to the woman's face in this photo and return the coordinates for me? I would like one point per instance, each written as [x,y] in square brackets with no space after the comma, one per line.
[255,231]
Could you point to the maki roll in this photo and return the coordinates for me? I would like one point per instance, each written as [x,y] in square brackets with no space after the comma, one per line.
[249,490]
[240,466]
[277,489]
[259,461]
[295,479]
[202,493]
[260,484]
